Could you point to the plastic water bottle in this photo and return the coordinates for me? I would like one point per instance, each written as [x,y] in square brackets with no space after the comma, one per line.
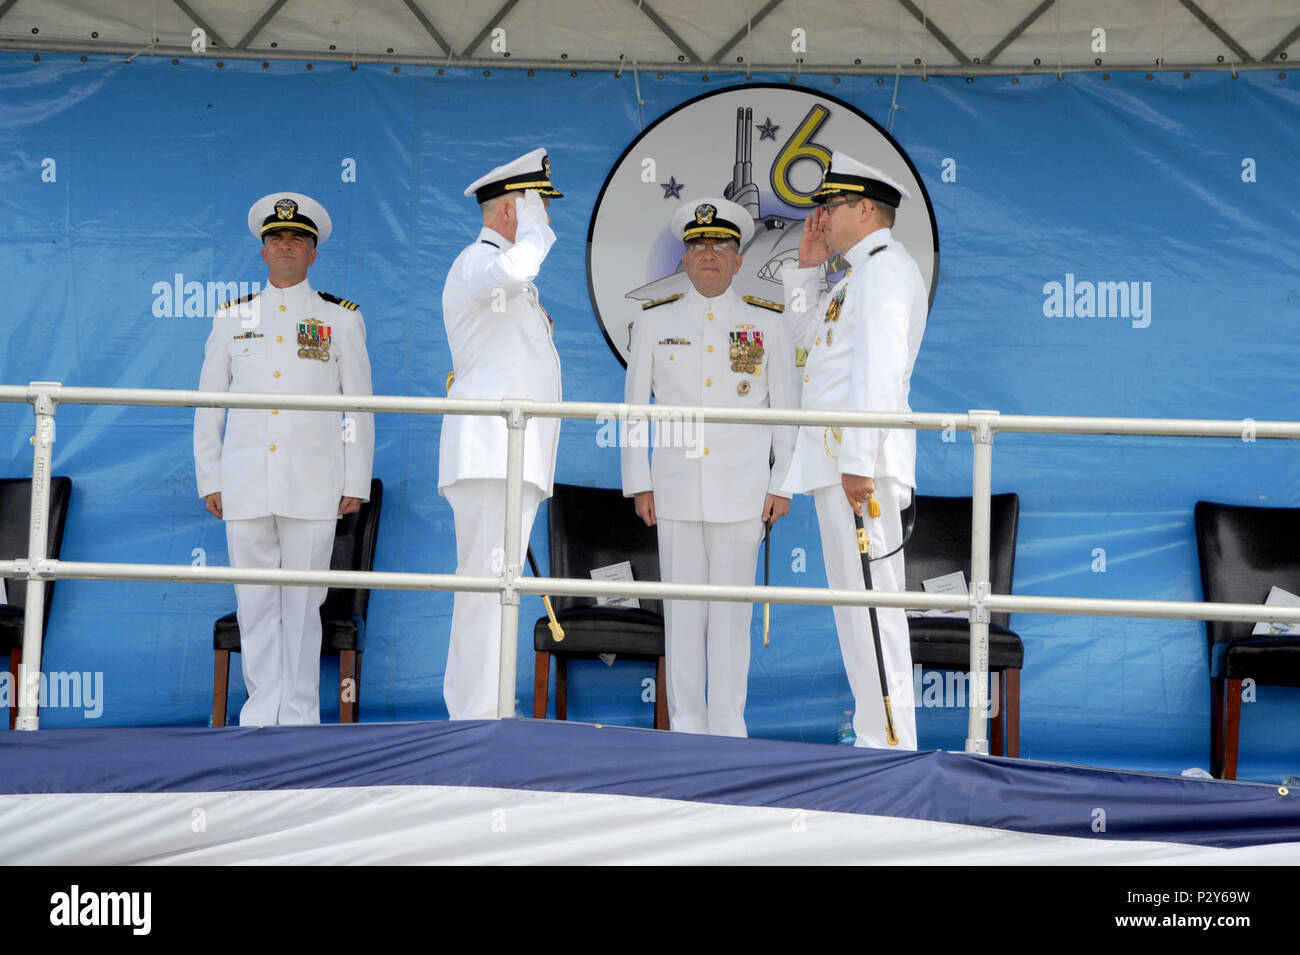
[845,736]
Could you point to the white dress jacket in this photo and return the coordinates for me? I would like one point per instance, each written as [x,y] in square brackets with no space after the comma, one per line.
[709,472]
[864,334]
[501,346]
[280,462]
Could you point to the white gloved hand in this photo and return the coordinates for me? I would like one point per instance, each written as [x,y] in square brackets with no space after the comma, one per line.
[531,204]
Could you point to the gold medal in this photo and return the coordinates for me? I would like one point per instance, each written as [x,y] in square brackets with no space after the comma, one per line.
[833,309]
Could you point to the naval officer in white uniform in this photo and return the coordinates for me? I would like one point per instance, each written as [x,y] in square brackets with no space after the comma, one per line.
[281,479]
[501,346]
[864,335]
[709,492]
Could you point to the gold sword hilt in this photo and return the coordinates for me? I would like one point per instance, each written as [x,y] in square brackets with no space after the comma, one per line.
[557,632]
[890,735]
[864,541]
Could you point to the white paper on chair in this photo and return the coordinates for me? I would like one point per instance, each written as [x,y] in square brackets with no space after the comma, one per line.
[1277,597]
[954,583]
[4,598]
[620,571]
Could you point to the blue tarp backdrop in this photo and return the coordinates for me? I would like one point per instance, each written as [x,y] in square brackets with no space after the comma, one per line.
[123,182]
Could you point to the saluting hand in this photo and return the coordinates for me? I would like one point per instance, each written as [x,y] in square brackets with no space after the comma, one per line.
[532,203]
[813,247]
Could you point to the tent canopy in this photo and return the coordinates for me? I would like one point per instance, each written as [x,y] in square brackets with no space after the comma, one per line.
[820,36]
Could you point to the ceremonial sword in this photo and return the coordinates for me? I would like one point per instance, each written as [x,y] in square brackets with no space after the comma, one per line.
[864,548]
[557,632]
[767,576]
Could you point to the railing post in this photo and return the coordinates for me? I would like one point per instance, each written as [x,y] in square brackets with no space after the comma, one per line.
[510,566]
[42,396]
[983,425]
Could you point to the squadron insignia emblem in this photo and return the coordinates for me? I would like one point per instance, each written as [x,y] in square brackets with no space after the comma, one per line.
[633,257]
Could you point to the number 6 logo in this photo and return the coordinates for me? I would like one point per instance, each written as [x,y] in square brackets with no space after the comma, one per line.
[798,148]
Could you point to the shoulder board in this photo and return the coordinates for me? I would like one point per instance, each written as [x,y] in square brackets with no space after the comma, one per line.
[662,301]
[879,248]
[239,301]
[341,302]
[764,303]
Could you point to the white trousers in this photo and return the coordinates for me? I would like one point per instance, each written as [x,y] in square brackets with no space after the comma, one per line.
[474,655]
[708,641]
[844,572]
[279,627]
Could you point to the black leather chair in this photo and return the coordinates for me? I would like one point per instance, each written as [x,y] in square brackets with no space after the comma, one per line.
[15,526]
[595,527]
[343,614]
[1244,551]
[940,544]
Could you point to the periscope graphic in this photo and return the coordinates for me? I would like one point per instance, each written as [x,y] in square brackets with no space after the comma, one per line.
[784,133]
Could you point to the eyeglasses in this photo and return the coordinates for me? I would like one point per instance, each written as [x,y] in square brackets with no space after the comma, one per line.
[717,248]
[836,203]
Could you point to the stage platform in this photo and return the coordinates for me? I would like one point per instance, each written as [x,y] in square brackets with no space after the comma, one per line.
[535,791]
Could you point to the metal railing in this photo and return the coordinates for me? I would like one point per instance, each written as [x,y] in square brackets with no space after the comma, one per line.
[980,602]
